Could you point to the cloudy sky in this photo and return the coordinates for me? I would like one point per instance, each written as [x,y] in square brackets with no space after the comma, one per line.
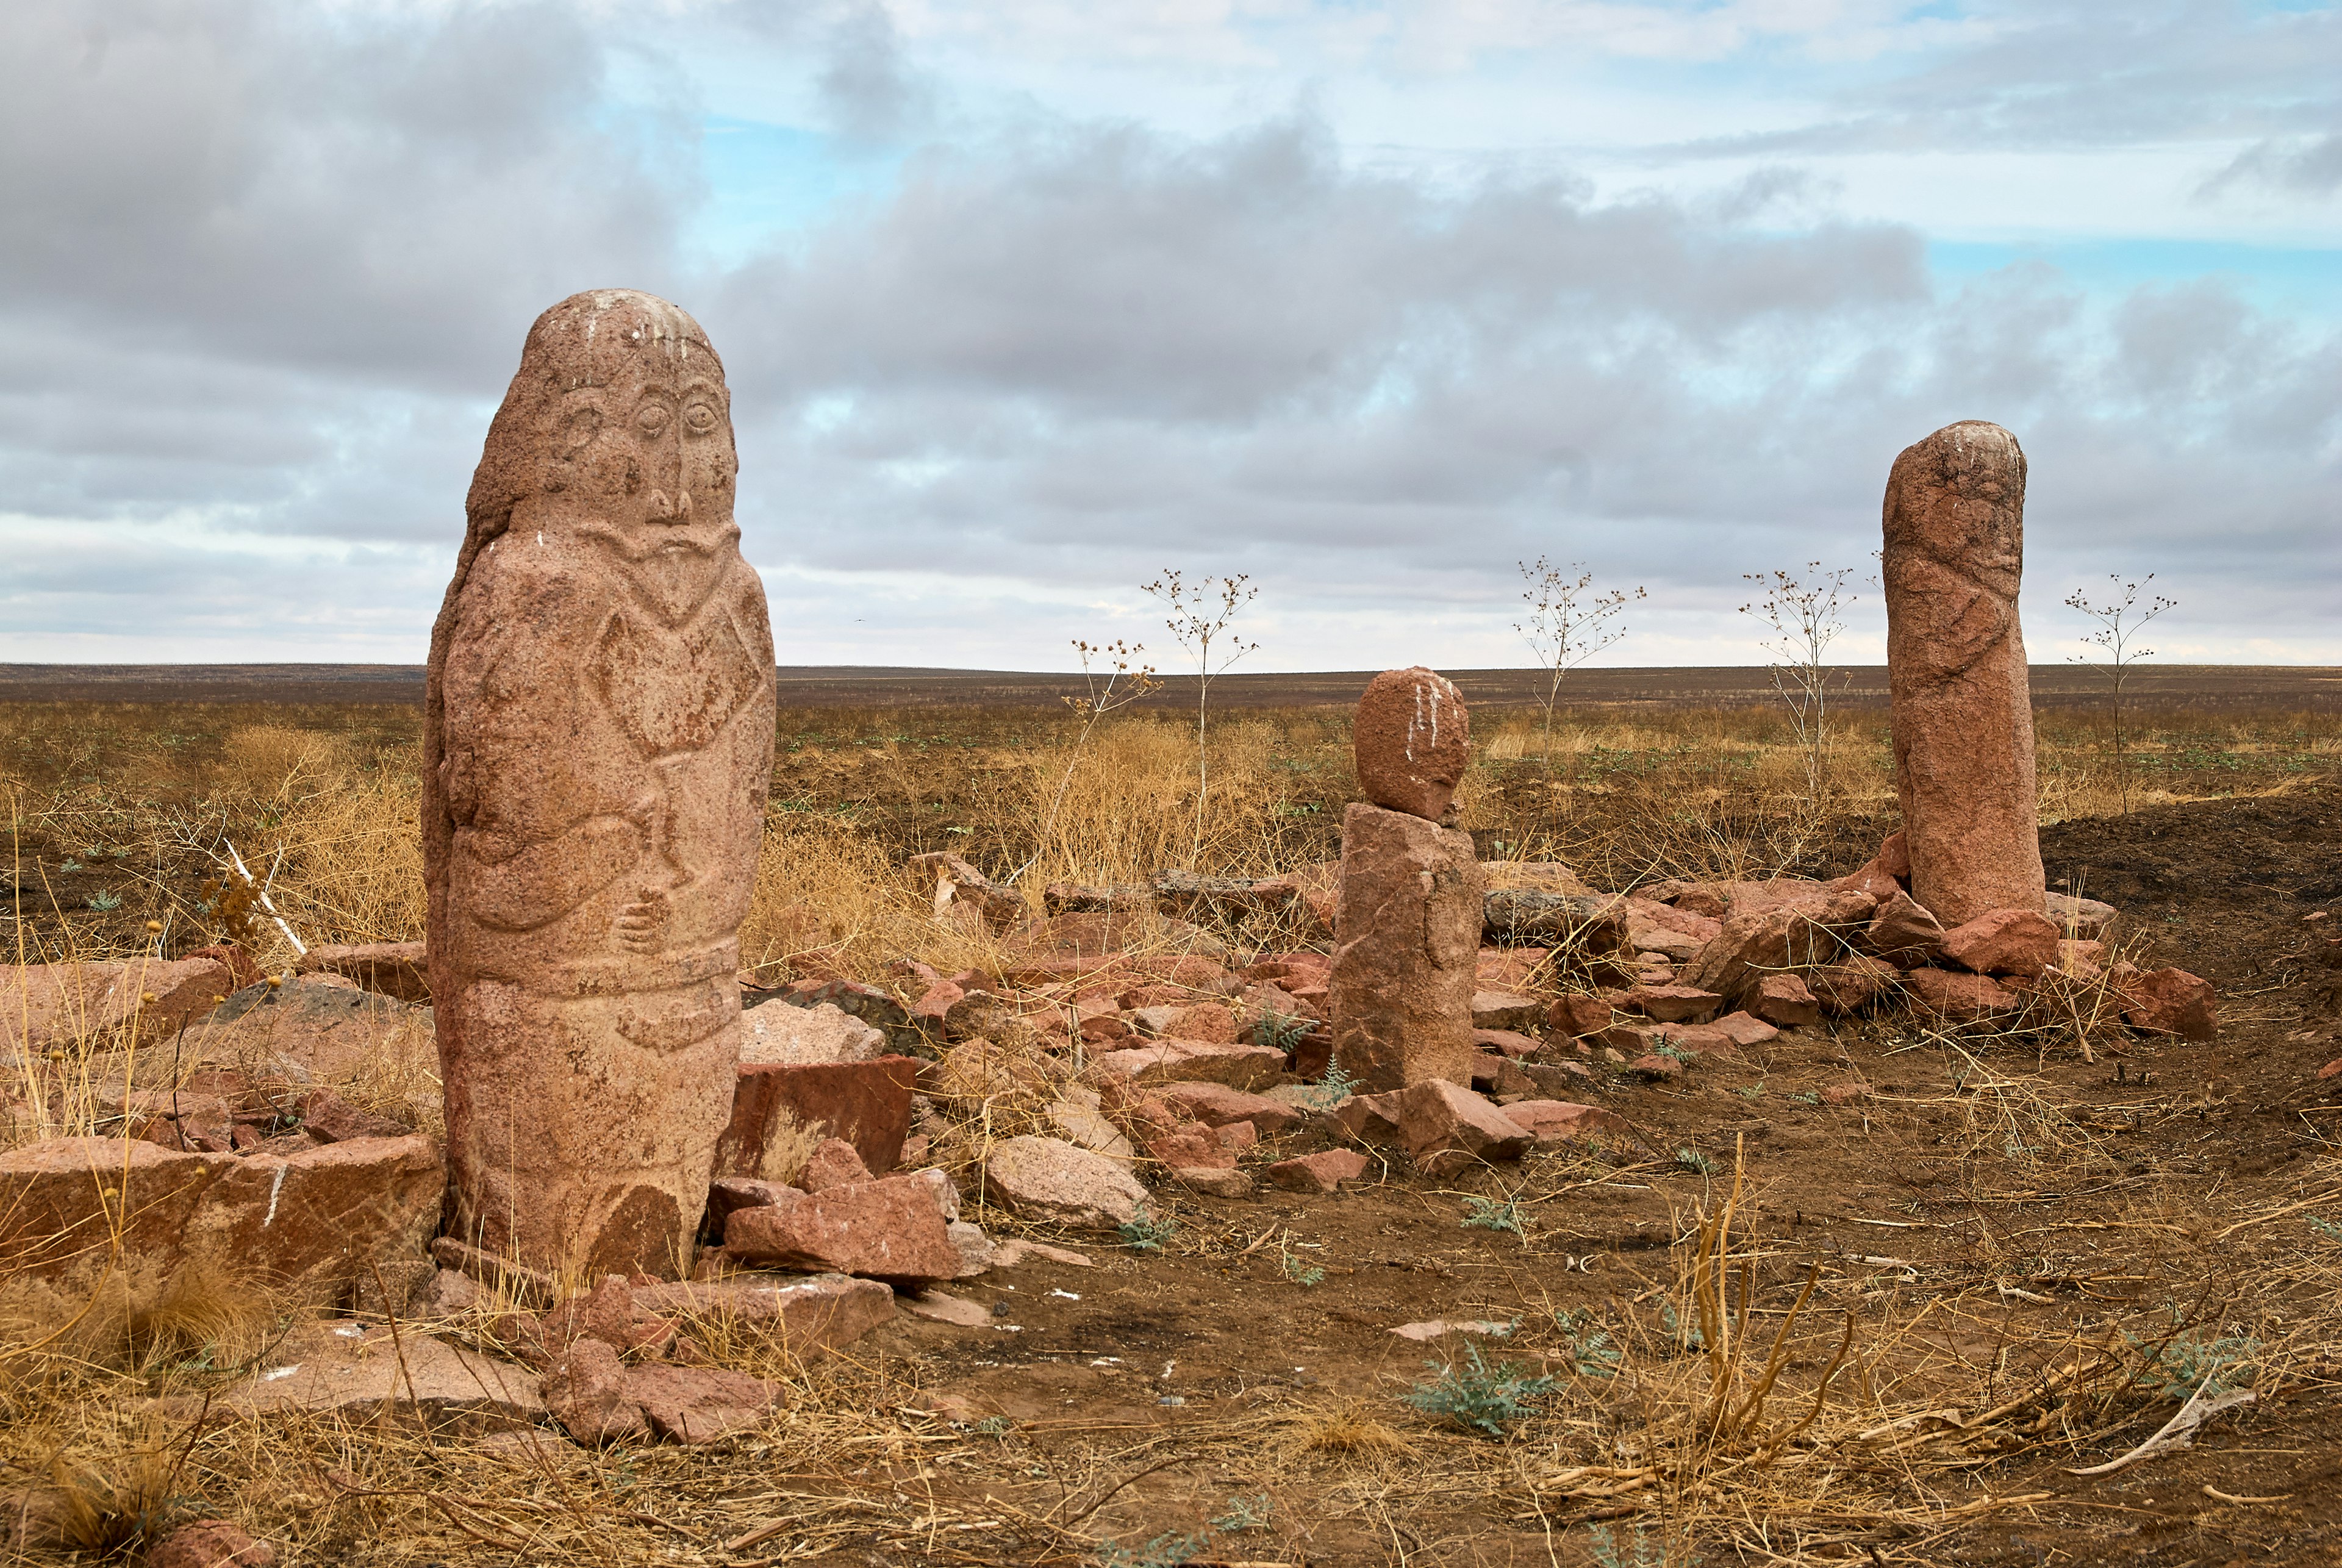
[1025,300]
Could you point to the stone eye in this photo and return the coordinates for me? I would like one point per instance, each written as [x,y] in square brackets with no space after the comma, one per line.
[653,418]
[700,419]
[579,427]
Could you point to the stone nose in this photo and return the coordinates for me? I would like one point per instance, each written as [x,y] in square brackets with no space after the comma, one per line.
[670,499]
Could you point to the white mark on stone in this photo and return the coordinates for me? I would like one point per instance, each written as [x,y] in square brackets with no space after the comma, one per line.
[276,1185]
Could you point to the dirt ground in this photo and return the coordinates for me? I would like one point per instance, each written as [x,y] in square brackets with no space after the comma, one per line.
[2158,1178]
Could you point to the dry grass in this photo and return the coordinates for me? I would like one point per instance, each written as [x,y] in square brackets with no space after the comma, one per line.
[1764,1401]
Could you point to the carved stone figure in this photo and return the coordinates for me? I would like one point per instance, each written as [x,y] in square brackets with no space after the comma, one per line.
[1406,929]
[1963,710]
[598,744]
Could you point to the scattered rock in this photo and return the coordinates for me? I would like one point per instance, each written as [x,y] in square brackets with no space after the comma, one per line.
[1902,933]
[49,1004]
[211,1543]
[2169,1002]
[1176,1061]
[1589,925]
[362,1372]
[775,1105]
[1213,1181]
[696,1405]
[1217,1105]
[1556,1121]
[889,1229]
[1440,1328]
[1783,1001]
[307,1223]
[394,969]
[330,1119]
[1852,984]
[1050,1179]
[834,1165]
[320,1026]
[1580,1015]
[1442,1127]
[1505,1010]
[1762,942]
[955,887]
[935,1306]
[584,1390]
[1321,1173]
[1656,1067]
[2085,919]
[773,1030]
[1079,1119]
[1960,998]
[812,1316]
[2017,941]
[1672,1004]
[1746,1029]
[1013,1255]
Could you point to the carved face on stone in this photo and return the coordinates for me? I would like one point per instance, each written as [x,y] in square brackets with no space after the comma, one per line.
[618,427]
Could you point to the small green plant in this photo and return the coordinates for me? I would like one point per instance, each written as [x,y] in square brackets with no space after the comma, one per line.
[1685,1334]
[995,1426]
[2326,1228]
[1694,1161]
[1297,1271]
[1642,1549]
[1591,1355]
[2178,1364]
[1753,1092]
[1487,1214]
[1675,1053]
[1334,1088]
[106,901]
[1279,1032]
[1480,1397]
[1808,1097]
[1143,1233]
[1245,1513]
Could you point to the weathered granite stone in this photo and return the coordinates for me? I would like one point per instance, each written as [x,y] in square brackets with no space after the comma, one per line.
[598,736]
[1412,737]
[1408,946]
[1962,716]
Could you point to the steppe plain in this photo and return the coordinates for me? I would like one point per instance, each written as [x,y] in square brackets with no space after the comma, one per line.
[1962,1267]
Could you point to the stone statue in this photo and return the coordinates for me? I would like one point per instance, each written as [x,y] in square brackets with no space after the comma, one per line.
[597,748]
[1963,709]
[1406,928]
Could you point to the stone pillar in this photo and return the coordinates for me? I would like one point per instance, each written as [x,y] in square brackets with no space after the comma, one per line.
[1963,711]
[597,746]
[1407,927]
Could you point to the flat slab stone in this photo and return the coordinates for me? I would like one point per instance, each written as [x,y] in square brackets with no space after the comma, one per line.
[1194,1061]
[813,1315]
[364,1373]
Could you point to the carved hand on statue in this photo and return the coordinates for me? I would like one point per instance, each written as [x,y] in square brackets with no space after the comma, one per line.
[642,925]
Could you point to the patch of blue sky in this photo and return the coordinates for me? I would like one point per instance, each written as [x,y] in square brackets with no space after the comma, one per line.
[2282,280]
[768,184]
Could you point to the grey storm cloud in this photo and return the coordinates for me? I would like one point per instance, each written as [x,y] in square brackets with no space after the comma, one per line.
[270,266]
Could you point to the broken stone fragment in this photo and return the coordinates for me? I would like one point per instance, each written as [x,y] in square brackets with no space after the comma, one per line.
[211,1543]
[1784,1001]
[2169,1002]
[1442,1127]
[867,1104]
[776,1031]
[358,1371]
[1854,983]
[1672,1004]
[394,969]
[2018,942]
[1052,1180]
[889,1229]
[1320,1173]
[810,1316]
[1505,1010]
[307,1223]
[1216,1105]
[1176,1061]
[1960,998]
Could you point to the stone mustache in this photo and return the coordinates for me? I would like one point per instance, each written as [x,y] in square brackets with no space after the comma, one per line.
[599,743]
